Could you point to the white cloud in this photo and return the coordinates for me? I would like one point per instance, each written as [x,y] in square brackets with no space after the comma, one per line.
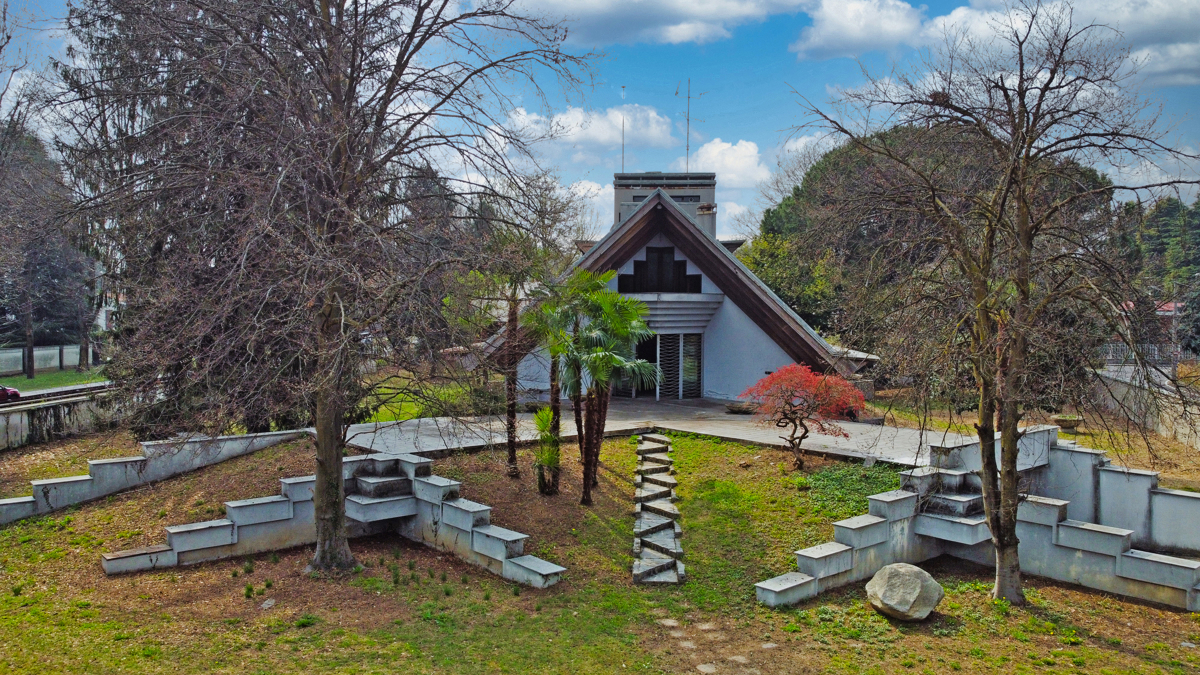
[730,218]
[584,137]
[670,21]
[850,27]
[599,201]
[1165,32]
[644,126]
[736,165]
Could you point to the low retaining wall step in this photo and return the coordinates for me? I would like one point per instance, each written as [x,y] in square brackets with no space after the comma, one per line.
[786,589]
[435,515]
[969,530]
[366,509]
[159,460]
[532,571]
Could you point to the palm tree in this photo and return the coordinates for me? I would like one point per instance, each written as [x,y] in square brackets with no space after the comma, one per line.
[596,354]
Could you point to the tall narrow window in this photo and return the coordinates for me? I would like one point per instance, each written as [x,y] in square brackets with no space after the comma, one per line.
[692,365]
[668,361]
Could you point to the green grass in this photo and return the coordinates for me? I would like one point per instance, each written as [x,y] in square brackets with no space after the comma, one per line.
[48,379]
[743,512]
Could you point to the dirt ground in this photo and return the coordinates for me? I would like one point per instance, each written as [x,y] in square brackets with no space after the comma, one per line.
[69,617]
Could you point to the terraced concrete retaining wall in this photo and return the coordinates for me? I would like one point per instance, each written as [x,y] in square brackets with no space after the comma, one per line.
[385,493]
[902,526]
[40,422]
[1100,492]
[159,460]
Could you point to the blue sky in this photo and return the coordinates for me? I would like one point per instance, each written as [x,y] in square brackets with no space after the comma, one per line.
[747,55]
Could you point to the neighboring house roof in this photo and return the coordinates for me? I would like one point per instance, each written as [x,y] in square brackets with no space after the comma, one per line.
[657,214]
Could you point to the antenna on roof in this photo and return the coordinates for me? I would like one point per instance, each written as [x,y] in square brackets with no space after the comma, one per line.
[622,132]
[687,151]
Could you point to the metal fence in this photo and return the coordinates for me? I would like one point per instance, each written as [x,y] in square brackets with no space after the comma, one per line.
[1119,353]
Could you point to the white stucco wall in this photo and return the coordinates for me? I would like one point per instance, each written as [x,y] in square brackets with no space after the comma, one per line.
[737,353]
[533,372]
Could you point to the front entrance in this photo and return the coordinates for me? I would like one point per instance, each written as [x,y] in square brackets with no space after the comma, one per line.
[679,357]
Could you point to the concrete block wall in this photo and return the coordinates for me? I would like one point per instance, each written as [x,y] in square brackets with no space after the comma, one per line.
[862,545]
[1033,450]
[160,460]
[1115,496]
[384,493]
[1053,545]
[41,421]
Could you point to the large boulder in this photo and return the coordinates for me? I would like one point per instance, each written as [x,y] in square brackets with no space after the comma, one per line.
[904,592]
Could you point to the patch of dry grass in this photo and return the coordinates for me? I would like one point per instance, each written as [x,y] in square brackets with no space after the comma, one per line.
[742,514]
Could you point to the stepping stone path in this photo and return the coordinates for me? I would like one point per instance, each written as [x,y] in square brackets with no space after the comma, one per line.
[656,532]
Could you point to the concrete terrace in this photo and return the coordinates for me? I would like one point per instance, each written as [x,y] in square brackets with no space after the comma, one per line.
[437,436]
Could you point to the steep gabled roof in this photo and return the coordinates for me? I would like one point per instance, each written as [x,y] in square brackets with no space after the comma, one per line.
[659,214]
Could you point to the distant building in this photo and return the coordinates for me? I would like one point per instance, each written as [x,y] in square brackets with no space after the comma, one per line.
[719,328]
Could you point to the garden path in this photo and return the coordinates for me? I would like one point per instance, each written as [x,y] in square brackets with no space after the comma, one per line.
[437,436]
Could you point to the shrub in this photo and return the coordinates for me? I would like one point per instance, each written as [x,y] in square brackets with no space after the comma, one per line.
[799,400]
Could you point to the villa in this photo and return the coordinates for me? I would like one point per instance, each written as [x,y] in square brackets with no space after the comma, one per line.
[719,328]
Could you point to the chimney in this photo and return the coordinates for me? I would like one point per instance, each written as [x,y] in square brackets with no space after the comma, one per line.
[706,218]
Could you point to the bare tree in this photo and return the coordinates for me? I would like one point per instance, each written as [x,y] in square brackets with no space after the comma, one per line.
[269,247]
[990,224]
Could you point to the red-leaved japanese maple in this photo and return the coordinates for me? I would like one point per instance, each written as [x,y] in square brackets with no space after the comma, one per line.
[797,399]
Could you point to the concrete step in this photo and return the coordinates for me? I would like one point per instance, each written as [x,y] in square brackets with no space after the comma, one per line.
[657,458]
[650,493]
[138,559]
[435,489]
[667,577]
[661,507]
[649,523]
[658,479]
[665,542]
[384,486]
[825,560]
[497,542]
[414,466]
[532,571]
[651,563]
[653,469]
[786,589]
[954,504]
[364,509]
[656,438]
[258,510]
[959,529]
[195,536]
[17,508]
[652,448]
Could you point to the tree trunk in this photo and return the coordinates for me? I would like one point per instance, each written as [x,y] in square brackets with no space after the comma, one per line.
[1008,576]
[1004,538]
[577,409]
[329,494]
[555,400]
[27,321]
[85,351]
[585,446]
[510,385]
[605,396]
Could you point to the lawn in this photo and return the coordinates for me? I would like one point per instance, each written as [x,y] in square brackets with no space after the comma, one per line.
[415,610]
[48,379]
